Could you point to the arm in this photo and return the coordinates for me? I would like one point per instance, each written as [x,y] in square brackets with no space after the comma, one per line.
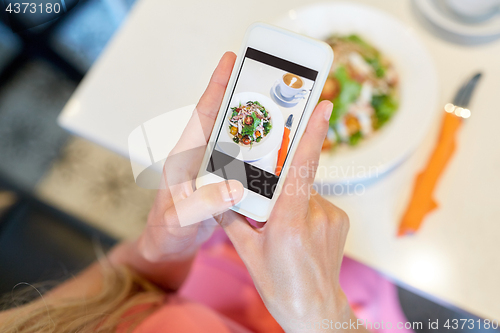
[165,251]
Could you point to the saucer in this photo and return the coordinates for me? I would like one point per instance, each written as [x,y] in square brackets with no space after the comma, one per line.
[280,100]
[455,30]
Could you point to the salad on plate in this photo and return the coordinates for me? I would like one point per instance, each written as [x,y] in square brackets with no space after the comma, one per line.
[363,86]
[249,123]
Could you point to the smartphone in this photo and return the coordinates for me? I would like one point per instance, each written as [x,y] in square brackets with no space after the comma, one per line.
[274,86]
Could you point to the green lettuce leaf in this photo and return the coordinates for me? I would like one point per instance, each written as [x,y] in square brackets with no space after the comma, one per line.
[385,106]
[349,93]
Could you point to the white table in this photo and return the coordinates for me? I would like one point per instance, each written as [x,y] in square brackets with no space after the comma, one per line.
[162,59]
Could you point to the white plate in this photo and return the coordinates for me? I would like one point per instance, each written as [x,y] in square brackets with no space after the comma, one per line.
[418,87]
[463,32]
[270,142]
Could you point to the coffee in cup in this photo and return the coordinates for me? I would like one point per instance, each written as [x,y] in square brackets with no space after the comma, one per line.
[290,87]
[292,81]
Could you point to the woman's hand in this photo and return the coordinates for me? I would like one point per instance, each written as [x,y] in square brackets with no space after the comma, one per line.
[166,248]
[172,232]
[294,259]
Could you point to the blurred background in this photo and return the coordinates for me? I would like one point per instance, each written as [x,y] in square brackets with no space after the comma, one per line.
[62,198]
[51,180]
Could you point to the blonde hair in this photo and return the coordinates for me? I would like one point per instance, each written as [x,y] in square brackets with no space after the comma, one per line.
[122,290]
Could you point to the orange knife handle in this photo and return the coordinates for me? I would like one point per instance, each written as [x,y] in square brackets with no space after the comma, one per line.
[422,201]
[283,151]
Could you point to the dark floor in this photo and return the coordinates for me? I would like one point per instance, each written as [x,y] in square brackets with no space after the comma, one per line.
[41,246]
[38,73]
[419,309]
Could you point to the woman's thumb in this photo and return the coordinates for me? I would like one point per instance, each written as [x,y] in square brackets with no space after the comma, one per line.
[207,202]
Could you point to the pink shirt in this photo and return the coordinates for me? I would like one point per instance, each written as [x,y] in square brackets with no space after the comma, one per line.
[179,316]
[219,296]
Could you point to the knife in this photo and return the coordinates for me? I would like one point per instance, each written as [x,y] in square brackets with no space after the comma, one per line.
[422,201]
[284,145]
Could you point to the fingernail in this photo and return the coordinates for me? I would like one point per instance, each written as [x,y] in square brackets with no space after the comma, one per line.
[231,191]
[328,111]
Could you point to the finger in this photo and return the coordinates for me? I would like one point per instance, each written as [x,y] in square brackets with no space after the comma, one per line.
[309,148]
[206,202]
[305,162]
[205,113]
[240,232]
[189,150]
[210,102]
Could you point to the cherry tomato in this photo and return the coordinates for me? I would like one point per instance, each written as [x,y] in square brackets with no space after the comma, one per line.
[248,120]
[331,89]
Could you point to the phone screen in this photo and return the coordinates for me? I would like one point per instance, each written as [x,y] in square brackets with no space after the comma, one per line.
[260,124]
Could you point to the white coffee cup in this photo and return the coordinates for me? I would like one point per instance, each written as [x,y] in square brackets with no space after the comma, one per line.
[474,9]
[290,87]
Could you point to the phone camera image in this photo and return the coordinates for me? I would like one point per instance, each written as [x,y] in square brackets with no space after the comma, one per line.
[264,112]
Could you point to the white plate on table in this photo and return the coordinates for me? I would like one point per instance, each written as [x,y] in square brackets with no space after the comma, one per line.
[418,87]
[269,143]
